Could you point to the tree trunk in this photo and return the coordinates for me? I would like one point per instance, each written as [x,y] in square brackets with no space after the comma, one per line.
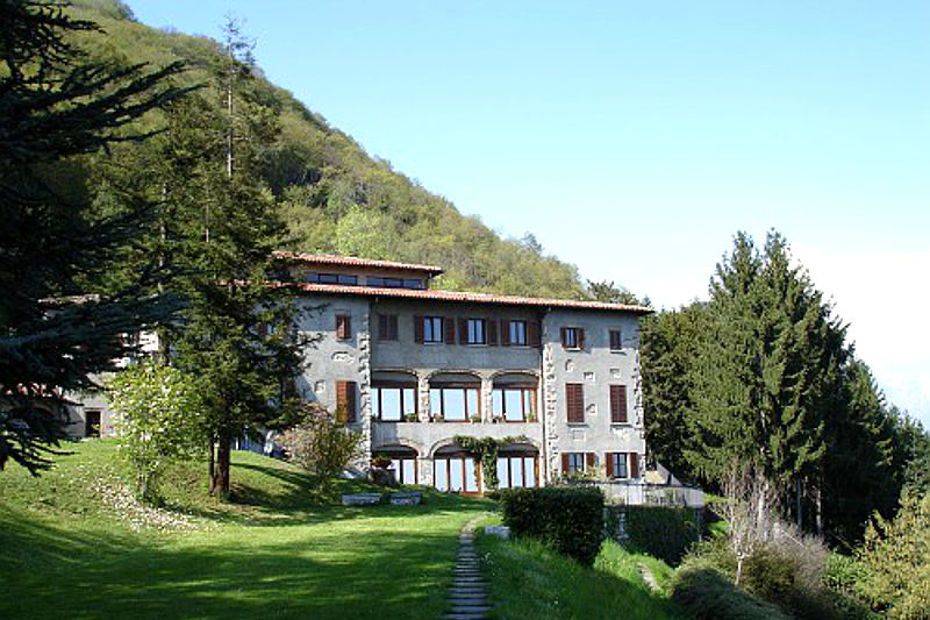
[223,450]
[798,507]
[211,451]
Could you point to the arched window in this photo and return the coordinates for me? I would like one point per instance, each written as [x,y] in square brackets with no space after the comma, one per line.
[513,398]
[455,470]
[394,396]
[517,466]
[453,397]
[403,462]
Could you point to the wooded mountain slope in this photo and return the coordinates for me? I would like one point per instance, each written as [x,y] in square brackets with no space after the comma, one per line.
[336,197]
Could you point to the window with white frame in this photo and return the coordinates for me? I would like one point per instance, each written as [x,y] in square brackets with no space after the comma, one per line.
[516,470]
[432,329]
[393,402]
[514,403]
[455,471]
[477,331]
[454,403]
[517,333]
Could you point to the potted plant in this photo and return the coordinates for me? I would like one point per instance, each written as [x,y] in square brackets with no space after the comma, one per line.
[475,418]
[410,417]
[380,461]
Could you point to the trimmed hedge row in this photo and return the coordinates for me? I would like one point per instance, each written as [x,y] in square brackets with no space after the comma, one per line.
[661,531]
[569,520]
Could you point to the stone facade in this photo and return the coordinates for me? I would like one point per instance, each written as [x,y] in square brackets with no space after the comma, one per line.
[544,367]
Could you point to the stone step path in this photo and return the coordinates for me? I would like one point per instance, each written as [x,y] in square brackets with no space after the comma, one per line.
[468,597]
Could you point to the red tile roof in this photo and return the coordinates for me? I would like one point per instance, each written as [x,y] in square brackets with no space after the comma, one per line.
[478,298]
[352,261]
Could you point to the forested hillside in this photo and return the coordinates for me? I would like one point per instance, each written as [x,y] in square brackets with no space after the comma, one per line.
[335,197]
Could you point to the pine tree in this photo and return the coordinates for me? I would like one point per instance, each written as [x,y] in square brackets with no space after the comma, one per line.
[58,324]
[764,379]
[221,226]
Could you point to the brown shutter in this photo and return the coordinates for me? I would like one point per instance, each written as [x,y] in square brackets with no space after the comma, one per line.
[382,327]
[505,333]
[621,404]
[342,401]
[563,331]
[581,338]
[533,329]
[634,465]
[589,461]
[392,326]
[448,324]
[565,463]
[618,404]
[574,400]
[351,408]
[418,329]
[491,326]
[609,457]
[463,331]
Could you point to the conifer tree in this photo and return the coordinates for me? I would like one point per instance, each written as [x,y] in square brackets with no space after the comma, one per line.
[58,325]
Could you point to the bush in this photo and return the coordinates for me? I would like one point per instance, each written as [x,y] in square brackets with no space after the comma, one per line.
[569,520]
[707,594]
[663,532]
[321,444]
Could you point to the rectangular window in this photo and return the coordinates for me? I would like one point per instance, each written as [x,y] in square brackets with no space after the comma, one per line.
[517,333]
[617,465]
[618,404]
[476,332]
[393,403]
[328,278]
[411,283]
[572,338]
[432,329]
[387,327]
[393,282]
[575,462]
[343,326]
[574,403]
[616,342]
[454,404]
[514,404]
[348,280]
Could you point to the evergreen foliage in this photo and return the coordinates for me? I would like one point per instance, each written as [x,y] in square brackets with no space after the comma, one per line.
[59,323]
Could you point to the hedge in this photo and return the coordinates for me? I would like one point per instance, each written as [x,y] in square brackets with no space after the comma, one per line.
[661,531]
[707,594]
[569,520]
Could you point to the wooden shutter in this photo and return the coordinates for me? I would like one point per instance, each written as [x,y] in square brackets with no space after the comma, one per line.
[618,404]
[418,329]
[448,324]
[634,465]
[345,401]
[382,327]
[463,331]
[574,400]
[392,327]
[491,326]
[564,331]
[609,457]
[580,332]
[589,461]
[565,463]
[533,333]
[505,333]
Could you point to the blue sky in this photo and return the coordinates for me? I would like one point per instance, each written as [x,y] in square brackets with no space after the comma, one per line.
[635,138]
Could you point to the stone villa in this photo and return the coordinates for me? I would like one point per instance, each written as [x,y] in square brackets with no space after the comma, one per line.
[413,367]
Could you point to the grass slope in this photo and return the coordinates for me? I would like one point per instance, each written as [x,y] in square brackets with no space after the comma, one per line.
[528,580]
[284,550]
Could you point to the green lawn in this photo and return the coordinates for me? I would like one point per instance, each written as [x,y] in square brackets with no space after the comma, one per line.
[281,549]
[527,580]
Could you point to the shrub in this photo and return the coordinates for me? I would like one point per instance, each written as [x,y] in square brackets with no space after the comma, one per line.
[661,531]
[156,420]
[894,556]
[708,594]
[569,520]
[322,445]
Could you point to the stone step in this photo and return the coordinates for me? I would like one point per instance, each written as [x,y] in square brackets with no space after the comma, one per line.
[475,609]
[464,616]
